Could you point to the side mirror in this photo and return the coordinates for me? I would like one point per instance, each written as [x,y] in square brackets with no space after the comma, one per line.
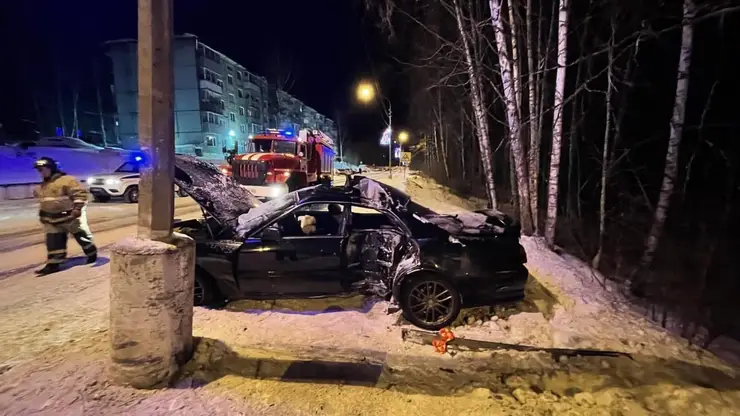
[271,235]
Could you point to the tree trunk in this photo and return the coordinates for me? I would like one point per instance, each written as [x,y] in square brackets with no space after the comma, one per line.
[512,116]
[516,65]
[60,109]
[534,139]
[479,110]
[75,123]
[557,126]
[100,106]
[670,173]
[605,160]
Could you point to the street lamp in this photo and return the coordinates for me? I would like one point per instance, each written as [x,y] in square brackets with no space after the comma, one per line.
[366,93]
[403,137]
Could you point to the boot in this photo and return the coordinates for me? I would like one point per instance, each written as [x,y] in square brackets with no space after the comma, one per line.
[92,258]
[48,269]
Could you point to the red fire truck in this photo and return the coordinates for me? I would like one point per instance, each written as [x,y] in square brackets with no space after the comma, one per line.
[280,161]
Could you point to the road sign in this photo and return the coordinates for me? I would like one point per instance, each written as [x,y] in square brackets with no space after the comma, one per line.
[405,158]
[397,152]
[385,139]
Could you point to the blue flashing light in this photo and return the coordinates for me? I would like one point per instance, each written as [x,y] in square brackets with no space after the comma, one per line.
[59,132]
[138,157]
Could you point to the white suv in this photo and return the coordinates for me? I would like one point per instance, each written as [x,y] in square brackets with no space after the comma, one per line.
[123,183]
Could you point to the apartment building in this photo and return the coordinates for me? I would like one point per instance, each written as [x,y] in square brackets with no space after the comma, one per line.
[218,102]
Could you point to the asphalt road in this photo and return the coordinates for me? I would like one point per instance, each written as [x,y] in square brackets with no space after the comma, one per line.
[22,240]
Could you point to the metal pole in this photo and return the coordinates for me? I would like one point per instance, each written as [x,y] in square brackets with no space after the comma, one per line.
[390,143]
[156,119]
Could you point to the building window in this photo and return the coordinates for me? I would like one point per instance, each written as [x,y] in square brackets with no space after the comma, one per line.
[240,93]
[256,128]
[223,105]
[229,68]
[232,116]
[212,118]
[230,79]
[241,111]
[243,128]
[220,83]
[239,75]
[211,140]
[249,112]
[231,98]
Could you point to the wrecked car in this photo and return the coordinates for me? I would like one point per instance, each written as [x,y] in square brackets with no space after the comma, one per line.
[364,237]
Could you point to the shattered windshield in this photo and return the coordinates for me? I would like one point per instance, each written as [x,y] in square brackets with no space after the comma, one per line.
[270,210]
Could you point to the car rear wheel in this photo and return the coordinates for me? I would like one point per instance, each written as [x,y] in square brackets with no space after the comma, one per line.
[430,302]
[132,194]
[101,198]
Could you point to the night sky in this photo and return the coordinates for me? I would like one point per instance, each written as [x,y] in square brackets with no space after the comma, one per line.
[326,45]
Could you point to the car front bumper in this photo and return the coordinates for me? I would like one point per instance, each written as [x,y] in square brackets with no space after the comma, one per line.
[265,192]
[103,191]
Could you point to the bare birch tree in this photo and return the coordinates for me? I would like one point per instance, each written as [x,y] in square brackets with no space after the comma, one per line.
[670,173]
[534,140]
[481,118]
[605,162]
[512,117]
[557,125]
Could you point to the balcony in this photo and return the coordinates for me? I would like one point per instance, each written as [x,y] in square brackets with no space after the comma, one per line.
[252,86]
[208,85]
[212,106]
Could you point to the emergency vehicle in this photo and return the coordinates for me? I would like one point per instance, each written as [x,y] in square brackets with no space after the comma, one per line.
[278,159]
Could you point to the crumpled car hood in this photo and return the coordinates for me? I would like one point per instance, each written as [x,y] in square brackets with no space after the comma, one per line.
[215,192]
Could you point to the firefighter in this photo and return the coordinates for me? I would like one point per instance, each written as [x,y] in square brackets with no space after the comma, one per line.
[62,202]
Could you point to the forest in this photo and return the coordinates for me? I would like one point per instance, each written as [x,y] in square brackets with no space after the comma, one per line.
[609,128]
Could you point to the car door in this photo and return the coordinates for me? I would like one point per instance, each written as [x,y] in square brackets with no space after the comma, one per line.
[313,257]
[374,237]
[259,263]
[288,259]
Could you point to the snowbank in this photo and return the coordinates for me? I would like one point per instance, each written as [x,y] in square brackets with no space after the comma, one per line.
[16,163]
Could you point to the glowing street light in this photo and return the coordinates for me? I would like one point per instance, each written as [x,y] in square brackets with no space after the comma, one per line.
[403,137]
[365,92]
[232,133]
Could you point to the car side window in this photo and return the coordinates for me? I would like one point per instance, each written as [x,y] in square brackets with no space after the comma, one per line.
[312,220]
[366,218]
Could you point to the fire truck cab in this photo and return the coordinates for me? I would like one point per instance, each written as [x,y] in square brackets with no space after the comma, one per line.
[279,161]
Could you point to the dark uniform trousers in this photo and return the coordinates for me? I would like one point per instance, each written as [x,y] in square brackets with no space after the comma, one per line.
[56,230]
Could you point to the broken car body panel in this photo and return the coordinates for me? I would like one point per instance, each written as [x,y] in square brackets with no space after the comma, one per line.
[365,236]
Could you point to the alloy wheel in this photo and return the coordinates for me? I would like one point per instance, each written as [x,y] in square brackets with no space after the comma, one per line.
[431,302]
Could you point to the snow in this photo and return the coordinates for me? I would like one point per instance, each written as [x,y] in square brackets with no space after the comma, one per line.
[255,357]
[16,163]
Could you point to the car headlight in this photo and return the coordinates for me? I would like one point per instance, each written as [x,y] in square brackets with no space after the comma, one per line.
[277,190]
[90,179]
[112,181]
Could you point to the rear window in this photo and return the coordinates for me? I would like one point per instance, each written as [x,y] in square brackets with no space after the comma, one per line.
[128,167]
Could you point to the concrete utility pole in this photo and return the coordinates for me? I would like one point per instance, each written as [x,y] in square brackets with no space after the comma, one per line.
[151,292]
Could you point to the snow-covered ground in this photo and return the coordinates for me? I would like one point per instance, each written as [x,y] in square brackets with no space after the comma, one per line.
[346,357]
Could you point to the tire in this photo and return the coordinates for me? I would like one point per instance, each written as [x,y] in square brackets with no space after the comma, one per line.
[132,194]
[416,287]
[101,198]
[205,292]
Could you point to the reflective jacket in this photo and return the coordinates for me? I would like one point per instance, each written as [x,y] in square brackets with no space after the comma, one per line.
[58,196]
